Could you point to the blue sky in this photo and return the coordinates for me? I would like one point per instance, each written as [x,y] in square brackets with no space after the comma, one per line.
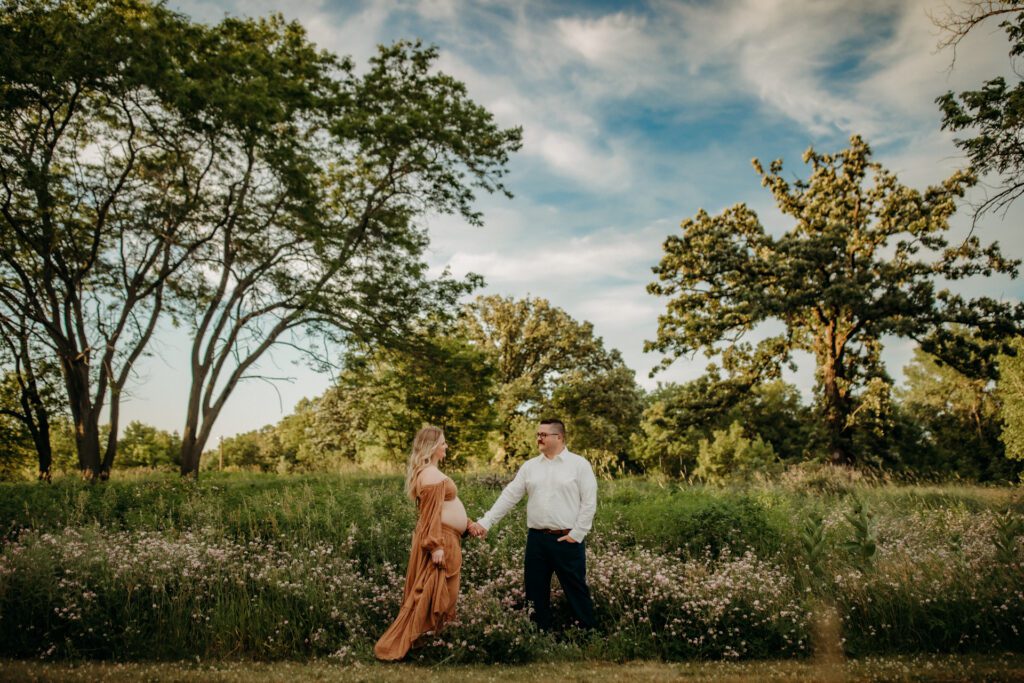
[635,116]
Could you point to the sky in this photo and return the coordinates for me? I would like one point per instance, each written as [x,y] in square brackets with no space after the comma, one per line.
[636,115]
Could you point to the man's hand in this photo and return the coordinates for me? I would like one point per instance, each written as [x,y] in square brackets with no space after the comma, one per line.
[567,539]
[437,557]
[477,530]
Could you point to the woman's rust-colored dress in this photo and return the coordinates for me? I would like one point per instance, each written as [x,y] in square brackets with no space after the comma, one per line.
[430,591]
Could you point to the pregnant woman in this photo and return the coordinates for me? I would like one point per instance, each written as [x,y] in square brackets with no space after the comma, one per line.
[432,580]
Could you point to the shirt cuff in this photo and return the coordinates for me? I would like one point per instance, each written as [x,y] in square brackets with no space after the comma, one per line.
[577,535]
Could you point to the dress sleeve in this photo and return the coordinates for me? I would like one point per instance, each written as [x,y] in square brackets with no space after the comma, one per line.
[428,528]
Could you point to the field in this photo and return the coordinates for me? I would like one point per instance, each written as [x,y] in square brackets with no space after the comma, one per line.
[814,570]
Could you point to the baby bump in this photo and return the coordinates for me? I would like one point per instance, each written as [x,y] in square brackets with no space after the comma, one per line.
[453,514]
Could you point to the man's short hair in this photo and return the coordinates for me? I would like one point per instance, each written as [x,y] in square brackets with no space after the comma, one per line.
[558,423]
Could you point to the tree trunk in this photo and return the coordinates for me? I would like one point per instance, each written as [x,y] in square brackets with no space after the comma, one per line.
[835,406]
[41,438]
[191,450]
[87,437]
[36,418]
[836,412]
[111,449]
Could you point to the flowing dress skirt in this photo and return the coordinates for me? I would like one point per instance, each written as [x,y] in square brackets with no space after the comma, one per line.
[429,599]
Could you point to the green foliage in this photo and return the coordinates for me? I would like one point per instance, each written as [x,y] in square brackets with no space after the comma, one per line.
[731,456]
[141,445]
[100,204]
[601,412]
[812,544]
[234,176]
[957,420]
[385,395]
[1010,390]
[992,113]
[861,545]
[259,450]
[324,240]
[695,521]
[311,565]
[1009,528]
[858,263]
[546,362]
[678,416]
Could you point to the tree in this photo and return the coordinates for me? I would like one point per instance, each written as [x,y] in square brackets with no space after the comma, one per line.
[677,417]
[1010,391]
[387,394]
[143,445]
[318,233]
[16,444]
[30,394]
[602,412]
[99,166]
[862,260]
[730,455]
[992,114]
[258,450]
[537,348]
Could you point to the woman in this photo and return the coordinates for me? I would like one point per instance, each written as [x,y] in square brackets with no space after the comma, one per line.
[432,580]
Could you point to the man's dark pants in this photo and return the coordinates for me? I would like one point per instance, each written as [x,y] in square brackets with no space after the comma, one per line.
[544,556]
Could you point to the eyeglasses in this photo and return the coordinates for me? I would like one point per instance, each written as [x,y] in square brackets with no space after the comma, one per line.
[544,435]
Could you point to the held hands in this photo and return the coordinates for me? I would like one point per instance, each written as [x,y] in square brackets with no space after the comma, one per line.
[477,530]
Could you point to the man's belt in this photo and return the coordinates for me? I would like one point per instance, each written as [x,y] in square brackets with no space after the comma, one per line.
[554,532]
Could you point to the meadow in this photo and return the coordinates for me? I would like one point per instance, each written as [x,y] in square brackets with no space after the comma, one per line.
[240,567]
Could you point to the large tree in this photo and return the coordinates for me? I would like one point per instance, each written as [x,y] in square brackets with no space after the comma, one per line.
[385,394]
[546,361]
[865,257]
[100,163]
[992,115]
[321,203]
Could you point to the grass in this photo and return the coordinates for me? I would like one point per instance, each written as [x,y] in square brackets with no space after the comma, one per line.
[917,668]
[271,567]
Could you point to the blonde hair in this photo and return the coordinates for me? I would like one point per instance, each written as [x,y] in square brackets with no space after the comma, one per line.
[423,446]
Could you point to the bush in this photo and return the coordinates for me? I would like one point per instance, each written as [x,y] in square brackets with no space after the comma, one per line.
[693,522]
[731,456]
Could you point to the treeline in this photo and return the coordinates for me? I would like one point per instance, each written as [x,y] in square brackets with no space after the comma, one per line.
[488,392]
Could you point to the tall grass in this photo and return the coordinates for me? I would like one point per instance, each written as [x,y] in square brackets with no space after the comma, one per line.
[278,567]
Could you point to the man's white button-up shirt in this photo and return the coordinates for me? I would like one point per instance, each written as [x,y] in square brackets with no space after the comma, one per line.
[562,495]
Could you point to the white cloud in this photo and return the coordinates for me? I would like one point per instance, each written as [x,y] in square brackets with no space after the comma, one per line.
[608,40]
[573,157]
[573,263]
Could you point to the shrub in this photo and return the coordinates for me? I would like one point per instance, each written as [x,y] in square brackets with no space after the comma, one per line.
[731,456]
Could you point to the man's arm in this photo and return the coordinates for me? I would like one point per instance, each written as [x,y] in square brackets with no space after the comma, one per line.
[588,502]
[510,495]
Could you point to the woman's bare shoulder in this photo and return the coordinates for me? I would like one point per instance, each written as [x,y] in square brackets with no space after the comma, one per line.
[430,476]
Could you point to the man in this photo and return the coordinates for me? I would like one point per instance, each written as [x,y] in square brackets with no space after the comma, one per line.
[560,509]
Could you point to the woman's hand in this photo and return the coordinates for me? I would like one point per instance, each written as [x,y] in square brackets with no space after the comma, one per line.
[437,557]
